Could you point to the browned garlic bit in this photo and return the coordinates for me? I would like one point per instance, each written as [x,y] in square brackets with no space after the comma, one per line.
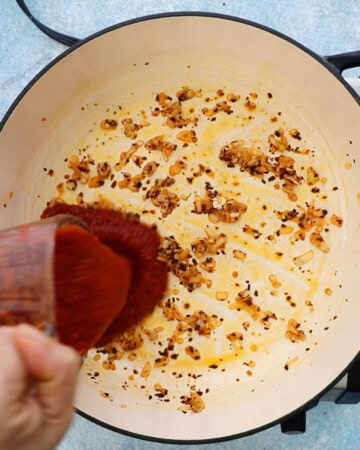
[80,168]
[71,184]
[219,107]
[125,156]
[312,177]
[203,323]
[278,141]
[131,129]
[221,295]
[161,391]
[132,183]
[161,197]
[187,93]
[195,402]
[108,124]
[304,258]
[251,231]
[291,362]
[275,283]
[103,172]
[188,136]
[172,111]
[192,352]
[146,370]
[283,168]
[177,167]
[336,220]
[309,219]
[239,254]
[150,168]
[295,134]
[318,241]
[249,159]
[244,302]
[213,243]
[209,264]
[293,331]
[236,339]
[159,143]
[231,97]
[229,212]
[257,163]
[181,263]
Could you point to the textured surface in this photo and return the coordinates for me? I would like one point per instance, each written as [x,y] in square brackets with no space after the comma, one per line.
[325,26]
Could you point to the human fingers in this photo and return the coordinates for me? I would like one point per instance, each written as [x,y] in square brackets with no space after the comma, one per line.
[20,414]
[13,374]
[53,368]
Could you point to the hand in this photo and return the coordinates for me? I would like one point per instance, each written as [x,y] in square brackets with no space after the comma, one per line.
[37,385]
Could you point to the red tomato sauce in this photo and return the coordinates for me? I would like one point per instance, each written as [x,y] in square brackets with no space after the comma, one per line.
[91,286]
[139,244]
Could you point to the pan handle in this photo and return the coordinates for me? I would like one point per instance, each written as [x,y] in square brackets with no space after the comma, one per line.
[59,37]
[343,61]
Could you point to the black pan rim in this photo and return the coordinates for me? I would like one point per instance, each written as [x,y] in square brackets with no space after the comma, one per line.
[332,69]
[158,16]
[305,406]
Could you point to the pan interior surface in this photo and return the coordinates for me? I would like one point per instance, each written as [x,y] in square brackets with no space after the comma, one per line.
[207,364]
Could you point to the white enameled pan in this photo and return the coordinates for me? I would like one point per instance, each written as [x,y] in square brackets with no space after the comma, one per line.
[118,74]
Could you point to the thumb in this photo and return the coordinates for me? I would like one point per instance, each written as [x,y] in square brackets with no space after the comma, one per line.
[53,367]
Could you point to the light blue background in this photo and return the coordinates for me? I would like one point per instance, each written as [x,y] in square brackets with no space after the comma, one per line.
[325,26]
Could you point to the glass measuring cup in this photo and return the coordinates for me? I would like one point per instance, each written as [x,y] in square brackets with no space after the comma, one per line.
[27,293]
